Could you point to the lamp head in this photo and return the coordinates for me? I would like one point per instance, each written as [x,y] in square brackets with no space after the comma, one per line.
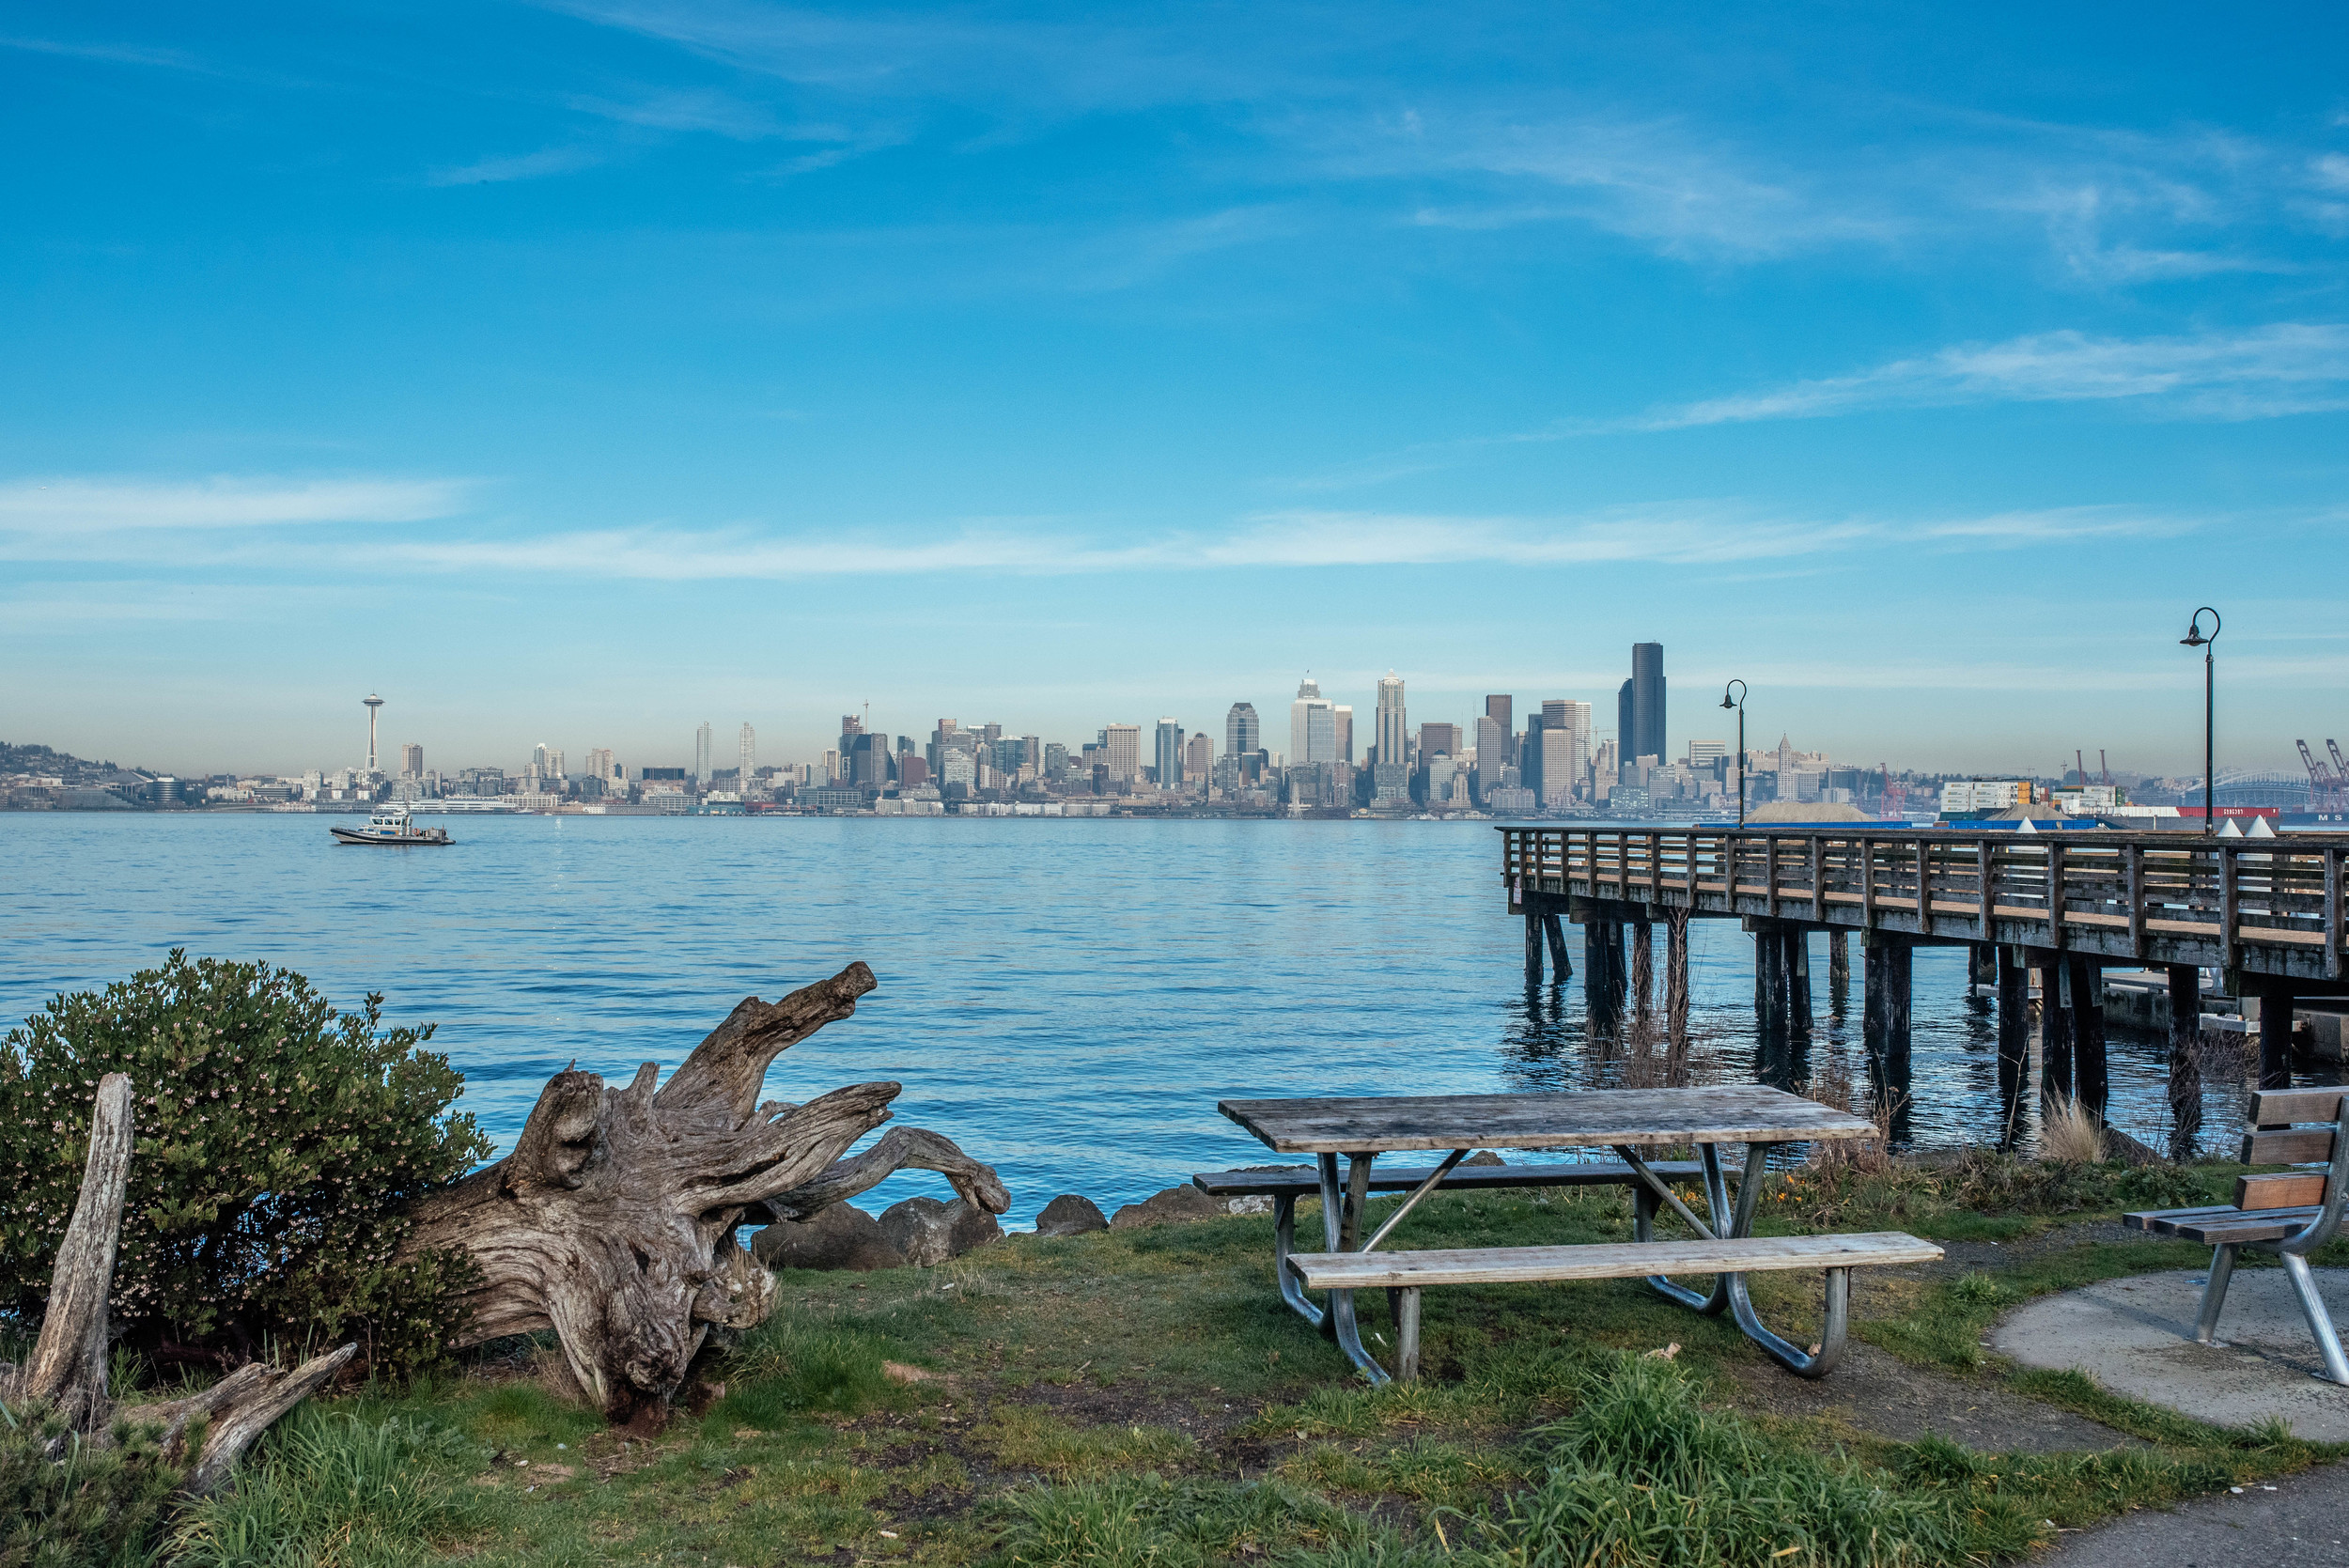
[2193,638]
[1725,702]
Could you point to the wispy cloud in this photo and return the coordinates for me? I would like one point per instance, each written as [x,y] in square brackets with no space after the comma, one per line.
[113,53]
[2294,367]
[79,506]
[527,165]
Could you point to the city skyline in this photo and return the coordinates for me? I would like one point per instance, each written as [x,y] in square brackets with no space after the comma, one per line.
[588,368]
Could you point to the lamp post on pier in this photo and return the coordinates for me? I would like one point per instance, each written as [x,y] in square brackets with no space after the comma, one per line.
[2194,639]
[1740,705]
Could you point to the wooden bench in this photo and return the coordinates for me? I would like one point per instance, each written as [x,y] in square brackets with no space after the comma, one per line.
[2291,1213]
[1407,1273]
[1285,1184]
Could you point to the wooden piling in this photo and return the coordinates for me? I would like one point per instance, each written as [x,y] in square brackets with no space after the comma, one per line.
[1533,949]
[1799,979]
[2275,1037]
[2090,1085]
[2185,1059]
[1561,966]
[1643,979]
[2055,1028]
[1838,967]
[2014,981]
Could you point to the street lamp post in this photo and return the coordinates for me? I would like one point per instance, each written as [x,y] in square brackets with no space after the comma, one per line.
[1740,704]
[2194,638]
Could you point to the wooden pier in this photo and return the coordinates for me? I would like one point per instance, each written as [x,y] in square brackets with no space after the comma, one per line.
[2265,914]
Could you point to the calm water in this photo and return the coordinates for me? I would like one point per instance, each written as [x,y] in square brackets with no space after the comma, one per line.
[1066,998]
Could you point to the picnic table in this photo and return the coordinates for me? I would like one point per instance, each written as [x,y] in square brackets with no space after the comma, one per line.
[1632,1123]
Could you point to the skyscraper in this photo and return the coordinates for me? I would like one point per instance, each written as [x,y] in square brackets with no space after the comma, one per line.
[1642,732]
[1124,751]
[1313,726]
[701,754]
[1392,726]
[1241,732]
[1492,753]
[1341,728]
[1503,710]
[1168,759]
[412,761]
[1439,740]
[1199,757]
[750,758]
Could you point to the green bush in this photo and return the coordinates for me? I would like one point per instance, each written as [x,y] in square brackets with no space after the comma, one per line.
[274,1139]
[65,1503]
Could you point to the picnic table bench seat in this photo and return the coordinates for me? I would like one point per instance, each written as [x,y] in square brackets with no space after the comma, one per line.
[2292,1213]
[1406,1274]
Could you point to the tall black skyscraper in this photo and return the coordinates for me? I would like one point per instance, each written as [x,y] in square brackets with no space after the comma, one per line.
[1640,708]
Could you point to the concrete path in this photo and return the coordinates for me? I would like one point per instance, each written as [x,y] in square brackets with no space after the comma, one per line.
[2304,1523]
[2135,1337]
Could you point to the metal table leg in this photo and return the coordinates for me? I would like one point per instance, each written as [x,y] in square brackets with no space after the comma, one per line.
[1836,1317]
[1338,1227]
[1643,1206]
[1284,1243]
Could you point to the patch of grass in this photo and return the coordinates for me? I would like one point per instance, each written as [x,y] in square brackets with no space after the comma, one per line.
[792,1365]
[1943,1324]
[1431,1474]
[331,1487]
[1027,1437]
[2272,1442]
[1148,1522]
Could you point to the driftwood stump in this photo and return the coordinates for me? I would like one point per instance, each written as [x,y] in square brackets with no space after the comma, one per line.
[67,1367]
[612,1221]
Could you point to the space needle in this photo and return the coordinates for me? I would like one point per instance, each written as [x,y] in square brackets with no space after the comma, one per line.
[372,702]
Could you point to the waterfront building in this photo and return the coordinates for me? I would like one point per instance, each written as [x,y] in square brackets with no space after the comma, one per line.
[1123,745]
[1241,733]
[701,754]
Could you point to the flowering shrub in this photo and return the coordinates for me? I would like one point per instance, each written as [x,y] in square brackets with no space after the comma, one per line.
[276,1139]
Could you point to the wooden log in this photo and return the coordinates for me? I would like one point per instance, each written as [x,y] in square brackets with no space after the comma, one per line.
[2185,1062]
[612,1221]
[1561,966]
[67,1367]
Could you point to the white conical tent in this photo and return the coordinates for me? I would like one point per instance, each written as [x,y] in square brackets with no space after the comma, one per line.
[2260,828]
[2025,827]
[2230,831]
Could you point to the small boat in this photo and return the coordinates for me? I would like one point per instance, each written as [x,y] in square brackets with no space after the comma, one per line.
[390,825]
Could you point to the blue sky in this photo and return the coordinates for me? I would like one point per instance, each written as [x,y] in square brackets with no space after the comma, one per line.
[576,373]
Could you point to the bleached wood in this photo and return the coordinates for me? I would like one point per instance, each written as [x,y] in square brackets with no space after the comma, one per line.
[1643,1118]
[1305,1181]
[67,1367]
[612,1221]
[1506,1265]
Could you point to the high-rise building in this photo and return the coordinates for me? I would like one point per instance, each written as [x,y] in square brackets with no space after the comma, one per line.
[1124,743]
[1439,740]
[1559,770]
[1393,746]
[1168,757]
[1502,709]
[1341,728]
[701,754]
[1313,726]
[1704,753]
[1642,731]
[1492,752]
[1241,733]
[600,764]
[1199,759]
[749,740]
[412,761]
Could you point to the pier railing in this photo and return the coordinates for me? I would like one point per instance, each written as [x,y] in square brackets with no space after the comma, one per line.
[2258,906]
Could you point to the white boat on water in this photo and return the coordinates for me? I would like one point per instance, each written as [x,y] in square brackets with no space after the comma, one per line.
[390,825]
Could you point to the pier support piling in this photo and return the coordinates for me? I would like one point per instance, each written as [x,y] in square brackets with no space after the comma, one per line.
[1644,981]
[1799,979]
[2274,1037]
[1602,977]
[1887,968]
[1838,972]
[1533,949]
[2014,983]
[1561,967]
[1677,984]
[2089,1084]
[2185,1059]
[2055,1028]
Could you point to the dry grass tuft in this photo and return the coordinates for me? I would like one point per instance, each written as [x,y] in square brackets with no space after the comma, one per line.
[2068,1134]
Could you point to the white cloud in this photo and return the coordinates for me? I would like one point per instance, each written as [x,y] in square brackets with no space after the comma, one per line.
[68,505]
[527,165]
[2292,367]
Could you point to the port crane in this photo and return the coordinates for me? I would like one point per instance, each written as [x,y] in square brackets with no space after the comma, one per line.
[2325,785]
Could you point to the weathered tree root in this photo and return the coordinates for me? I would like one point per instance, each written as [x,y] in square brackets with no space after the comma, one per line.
[612,1221]
[67,1369]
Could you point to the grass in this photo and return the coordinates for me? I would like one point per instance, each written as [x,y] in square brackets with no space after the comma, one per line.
[1144,1399]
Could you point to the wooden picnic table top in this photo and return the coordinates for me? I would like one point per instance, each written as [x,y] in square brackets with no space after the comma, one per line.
[1643,1118]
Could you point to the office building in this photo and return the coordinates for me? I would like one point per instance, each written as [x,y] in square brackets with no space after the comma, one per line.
[1492,755]
[1502,710]
[1392,726]
[1342,727]
[1241,732]
[412,761]
[1123,743]
[701,754]
[1313,726]
[1439,740]
[1167,755]
[1704,753]
[1199,759]
[1640,706]
[748,764]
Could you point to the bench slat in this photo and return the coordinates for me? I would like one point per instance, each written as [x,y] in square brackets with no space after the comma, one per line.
[2290,1190]
[2286,1148]
[1305,1182]
[2276,1107]
[2217,1226]
[1505,1265]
